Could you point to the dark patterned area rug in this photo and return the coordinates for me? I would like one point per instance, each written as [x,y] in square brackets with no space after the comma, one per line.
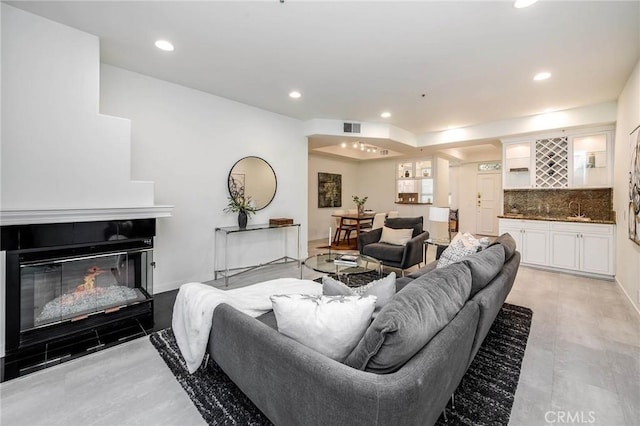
[484,397]
[485,394]
[356,280]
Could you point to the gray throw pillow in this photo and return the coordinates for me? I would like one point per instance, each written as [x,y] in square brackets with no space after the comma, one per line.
[383,289]
[484,266]
[411,319]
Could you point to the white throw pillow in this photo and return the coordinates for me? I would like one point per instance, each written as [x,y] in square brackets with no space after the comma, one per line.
[383,289]
[470,241]
[455,252]
[397,237]
[331,325]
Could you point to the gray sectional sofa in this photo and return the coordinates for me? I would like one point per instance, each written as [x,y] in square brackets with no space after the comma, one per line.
[405,368]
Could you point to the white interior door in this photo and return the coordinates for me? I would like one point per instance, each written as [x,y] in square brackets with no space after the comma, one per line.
[488,203]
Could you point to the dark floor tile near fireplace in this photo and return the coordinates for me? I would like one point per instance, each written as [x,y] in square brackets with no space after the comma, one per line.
[163,309]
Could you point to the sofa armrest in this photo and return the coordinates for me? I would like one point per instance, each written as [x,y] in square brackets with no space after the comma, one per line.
[491,298]
[368,238]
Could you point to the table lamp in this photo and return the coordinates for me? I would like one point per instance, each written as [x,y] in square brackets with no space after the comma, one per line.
[440,214]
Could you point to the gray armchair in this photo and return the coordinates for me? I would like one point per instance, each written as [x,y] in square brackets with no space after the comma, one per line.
[401,257]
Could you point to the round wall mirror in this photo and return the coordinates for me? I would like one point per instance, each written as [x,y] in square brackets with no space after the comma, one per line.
[254,179]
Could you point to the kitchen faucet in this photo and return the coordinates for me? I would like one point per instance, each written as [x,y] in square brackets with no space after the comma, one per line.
[578,203]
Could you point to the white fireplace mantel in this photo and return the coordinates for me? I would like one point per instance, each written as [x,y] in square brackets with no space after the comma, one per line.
[31,216]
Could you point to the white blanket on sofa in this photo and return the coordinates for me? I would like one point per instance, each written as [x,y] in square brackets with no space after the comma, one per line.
[195,302]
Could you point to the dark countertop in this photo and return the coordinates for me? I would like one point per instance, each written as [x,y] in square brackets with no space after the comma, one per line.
[555,219]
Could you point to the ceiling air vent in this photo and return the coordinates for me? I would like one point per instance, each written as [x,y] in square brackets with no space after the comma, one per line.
[384,152]
[351,127]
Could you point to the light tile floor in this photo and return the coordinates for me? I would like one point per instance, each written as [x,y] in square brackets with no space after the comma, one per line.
[582,361]
[581,366]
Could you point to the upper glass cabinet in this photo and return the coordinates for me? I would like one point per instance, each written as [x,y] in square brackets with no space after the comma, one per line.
[591,161]
[517,165]
[577,158]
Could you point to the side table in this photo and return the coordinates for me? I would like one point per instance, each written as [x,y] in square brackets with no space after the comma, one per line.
[440,244]
[226,232]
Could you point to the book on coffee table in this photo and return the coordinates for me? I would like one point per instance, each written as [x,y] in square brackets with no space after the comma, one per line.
[346,260]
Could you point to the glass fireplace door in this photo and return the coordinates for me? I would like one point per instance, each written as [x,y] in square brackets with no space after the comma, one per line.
[71,289]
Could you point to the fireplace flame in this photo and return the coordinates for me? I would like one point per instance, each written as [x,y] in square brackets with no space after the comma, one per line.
[89,279]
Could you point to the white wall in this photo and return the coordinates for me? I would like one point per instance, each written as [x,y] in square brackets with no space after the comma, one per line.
[187,141]
[2,253]
[57,151]
[627,252]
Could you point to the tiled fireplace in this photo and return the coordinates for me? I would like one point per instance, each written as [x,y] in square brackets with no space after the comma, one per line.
[74,288]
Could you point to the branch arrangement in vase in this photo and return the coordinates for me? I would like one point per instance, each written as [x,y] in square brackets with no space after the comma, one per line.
[360,203]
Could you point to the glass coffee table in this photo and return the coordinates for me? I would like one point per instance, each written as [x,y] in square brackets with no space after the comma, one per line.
[330,263]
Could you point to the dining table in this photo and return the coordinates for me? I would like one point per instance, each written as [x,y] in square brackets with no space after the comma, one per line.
[351,222]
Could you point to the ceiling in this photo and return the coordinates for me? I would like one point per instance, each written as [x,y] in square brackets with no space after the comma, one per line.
[432,64]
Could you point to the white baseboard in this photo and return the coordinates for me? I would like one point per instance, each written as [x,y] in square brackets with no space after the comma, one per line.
[628,297]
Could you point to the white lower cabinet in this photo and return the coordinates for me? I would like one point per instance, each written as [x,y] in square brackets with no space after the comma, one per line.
[532,239]
[565,249]
[581,247]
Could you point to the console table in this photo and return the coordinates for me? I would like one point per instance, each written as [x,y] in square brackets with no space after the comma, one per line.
[228,231]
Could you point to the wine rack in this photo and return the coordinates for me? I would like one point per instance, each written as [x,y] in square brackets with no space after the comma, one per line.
[552,163]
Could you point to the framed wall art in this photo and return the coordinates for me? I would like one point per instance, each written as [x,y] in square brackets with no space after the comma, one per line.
[634,186]
[329,190]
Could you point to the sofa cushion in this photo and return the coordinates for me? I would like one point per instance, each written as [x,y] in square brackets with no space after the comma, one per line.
[383,289]
[455,252]
[420,272]
[508,243]
[331,325]
[396,237]
[411,319]
[415,223]
[484,266]
[384,251]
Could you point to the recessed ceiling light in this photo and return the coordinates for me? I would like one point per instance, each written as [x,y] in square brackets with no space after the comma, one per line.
[519,4]
[343,144]
[385,114]
[295,94]
[164,45]
[355,144]
[542,76]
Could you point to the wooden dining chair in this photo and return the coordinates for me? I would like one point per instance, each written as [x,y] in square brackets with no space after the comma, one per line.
[342,226]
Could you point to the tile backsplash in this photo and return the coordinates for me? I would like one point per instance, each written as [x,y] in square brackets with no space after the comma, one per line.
[594,203]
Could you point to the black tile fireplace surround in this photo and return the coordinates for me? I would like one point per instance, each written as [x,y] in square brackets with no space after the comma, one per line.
[73,289]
